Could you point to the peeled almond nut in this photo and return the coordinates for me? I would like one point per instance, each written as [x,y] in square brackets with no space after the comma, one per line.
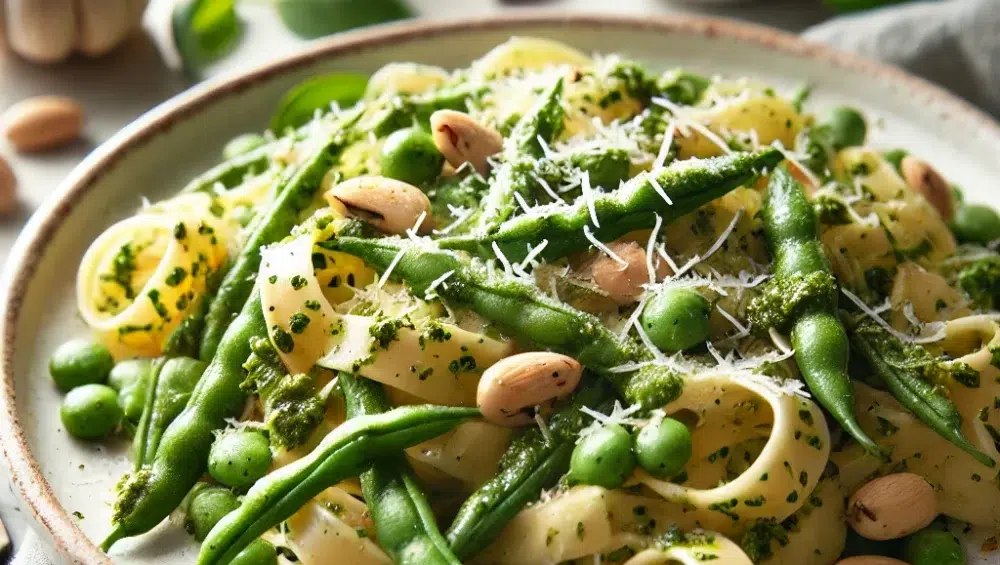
[463,140]
[8,189]
[927,181]
[870,560]
[623,282]
[510,390]
[892,506]
[390,205]
[43,122]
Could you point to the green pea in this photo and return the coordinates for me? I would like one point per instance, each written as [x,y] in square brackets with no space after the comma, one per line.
[663,447]
[932,546]
[242,144]
[131,379]
[410,155]
[676,319]
[80,362]
[259,552]
[975,223]
[603,458]
[206,507]
[845,126]
[895,158]
[239,458]
[91,411]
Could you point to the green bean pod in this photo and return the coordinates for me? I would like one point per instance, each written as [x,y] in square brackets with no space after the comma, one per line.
[231,172]
[295,192]
[820,342]
[172,383]
[632,207]
[182,454]
[404,523]
[913,392]
[345,452]
[533,462]
[540,125]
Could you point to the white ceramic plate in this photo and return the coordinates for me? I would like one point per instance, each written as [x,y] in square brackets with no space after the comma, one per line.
[152,157]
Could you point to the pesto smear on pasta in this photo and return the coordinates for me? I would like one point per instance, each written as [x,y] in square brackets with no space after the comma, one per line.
[551,308]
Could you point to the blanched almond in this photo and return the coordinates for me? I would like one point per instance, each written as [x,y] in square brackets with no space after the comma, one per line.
[463,140]
[923,178]
[892,506]
[8,189]
[623,281]
[510,390]
[43,122]
[390,205]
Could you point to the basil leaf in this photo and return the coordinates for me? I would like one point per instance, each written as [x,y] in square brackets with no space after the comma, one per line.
[300,103]
[316,18]
[205,30]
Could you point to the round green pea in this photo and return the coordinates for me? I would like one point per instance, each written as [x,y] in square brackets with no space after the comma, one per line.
[975,223]
[603,458]
[676,319]
[663,447]
[206,508]
[80,362]
[933,547]
[846,126]
[131,379]
[242,144]
[239,458]
[259,552]
[91,411]
[410,155]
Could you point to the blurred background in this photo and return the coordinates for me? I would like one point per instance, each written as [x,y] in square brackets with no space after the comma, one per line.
[74,72]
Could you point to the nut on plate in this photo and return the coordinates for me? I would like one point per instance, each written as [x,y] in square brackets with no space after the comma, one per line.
[511,389]
[390,205]
[892,506]
[923,178]
[462,139]
[42,122]
[623,280]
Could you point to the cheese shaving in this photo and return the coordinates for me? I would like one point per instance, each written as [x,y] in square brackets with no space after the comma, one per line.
[392,265]
[938,334]
[604,248]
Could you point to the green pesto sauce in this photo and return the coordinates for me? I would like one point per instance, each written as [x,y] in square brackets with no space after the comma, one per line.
[131,489]
[980,280]
[784,299]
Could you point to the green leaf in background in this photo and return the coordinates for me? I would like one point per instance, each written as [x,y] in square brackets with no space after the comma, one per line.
[859,5]
[316,18]
[317,93]
[205,30]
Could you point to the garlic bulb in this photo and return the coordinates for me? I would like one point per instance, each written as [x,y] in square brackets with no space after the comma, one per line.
[48,31]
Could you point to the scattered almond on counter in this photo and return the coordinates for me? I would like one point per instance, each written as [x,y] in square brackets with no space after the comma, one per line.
[42,122]
[8,189]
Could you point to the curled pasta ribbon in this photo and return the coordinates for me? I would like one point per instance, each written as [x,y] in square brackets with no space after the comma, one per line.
[139,279]
[528,54]
[778,481]
[716,548]
[315,533]
[440,366]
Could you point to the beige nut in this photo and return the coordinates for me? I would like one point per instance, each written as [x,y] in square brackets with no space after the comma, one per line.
[392,206]
[463,140]
[892,506]
[623,282]
[870,560]
[8,189]
[42,122]
[927,181]
[510,390]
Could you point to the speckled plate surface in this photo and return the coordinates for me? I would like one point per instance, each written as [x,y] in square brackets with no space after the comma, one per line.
[67,485]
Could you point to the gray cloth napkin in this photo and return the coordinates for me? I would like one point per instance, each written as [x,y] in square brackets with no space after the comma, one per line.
[954,43]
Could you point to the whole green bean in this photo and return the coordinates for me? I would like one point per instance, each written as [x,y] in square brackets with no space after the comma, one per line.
[295,192]
[632,207]
[344,452]
[150,494]
[232,171]
[406,110]
[820,342]
[533,463]
[539,126]
[404,523]
[905,383]
[173,381]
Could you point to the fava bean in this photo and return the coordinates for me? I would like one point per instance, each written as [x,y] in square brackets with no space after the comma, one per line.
[206,507]
[603,458]
[663,447]
[79,362]
[932,546]
[131,379]
[676,319]
[410,155]
[239,458]
[975,223]
[91,411]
